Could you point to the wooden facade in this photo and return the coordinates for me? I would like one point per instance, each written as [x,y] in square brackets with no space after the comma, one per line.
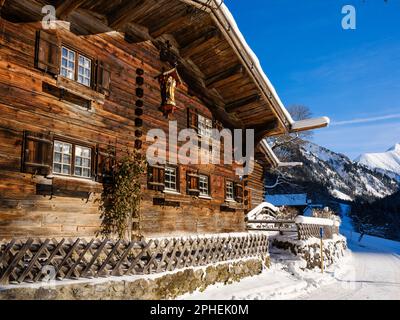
[46,110]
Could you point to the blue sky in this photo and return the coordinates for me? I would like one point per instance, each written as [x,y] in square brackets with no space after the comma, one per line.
[352,76]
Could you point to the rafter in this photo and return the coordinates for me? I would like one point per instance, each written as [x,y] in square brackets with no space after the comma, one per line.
[206,40]
[64,8]
[235,105]
[215,79]
[129,11]
[168,26]
[264,130]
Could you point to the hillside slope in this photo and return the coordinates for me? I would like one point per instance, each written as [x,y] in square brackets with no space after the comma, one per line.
[328,175]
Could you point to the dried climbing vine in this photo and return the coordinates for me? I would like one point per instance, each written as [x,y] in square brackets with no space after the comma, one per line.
[120,200]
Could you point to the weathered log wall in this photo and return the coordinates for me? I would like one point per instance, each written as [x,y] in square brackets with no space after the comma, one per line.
[24,105]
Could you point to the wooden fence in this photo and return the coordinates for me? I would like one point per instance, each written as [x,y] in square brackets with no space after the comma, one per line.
[306,231]
[35,260]
[305,228]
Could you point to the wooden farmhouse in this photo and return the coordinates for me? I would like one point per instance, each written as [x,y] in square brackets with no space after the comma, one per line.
[81,85]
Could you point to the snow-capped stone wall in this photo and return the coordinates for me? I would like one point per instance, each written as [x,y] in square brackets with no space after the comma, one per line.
[168,285]
[310,249]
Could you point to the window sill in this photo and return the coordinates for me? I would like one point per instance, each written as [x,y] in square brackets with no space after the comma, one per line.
[205,197]
[172,192]
[80,90]
[71,178]
[230,201]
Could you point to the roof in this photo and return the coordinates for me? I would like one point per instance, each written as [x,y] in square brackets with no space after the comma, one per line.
[287,199]
[213,57]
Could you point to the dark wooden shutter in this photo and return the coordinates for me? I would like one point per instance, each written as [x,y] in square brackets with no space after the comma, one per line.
[217,125]
[238,192]
[47,56]
[105,161]
[192,182]
[37,153]
[103,77]
[192,120]
[155,178]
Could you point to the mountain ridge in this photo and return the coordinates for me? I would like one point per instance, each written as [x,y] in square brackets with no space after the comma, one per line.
[329,176]
[388,161]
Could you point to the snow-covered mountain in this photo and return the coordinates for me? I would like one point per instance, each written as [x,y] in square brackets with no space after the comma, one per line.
[388,161]
[326,174]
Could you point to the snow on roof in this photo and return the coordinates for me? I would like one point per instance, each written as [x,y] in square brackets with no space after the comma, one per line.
[287,199]
[225,19]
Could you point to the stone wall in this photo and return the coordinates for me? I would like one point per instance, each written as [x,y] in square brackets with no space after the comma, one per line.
[310,249]
[162,286]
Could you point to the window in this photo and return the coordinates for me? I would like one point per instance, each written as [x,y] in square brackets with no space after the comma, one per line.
[170,179]
[204,126]
[229,190]
[204,186]
[84,70]
[82,161]
[75,66]
[71,159]
[68,63]
[62,157]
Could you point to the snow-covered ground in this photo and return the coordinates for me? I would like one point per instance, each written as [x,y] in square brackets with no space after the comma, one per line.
[369,270]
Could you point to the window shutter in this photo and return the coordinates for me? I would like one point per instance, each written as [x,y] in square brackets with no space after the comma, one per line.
[192,119]
[103,77]
[155,178]
[38,153]
[238,192]
[217,125]
[47,56]
[192,182]
[105,161]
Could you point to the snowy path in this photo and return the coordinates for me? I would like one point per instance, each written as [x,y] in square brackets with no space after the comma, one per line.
[370,271]
[374,273]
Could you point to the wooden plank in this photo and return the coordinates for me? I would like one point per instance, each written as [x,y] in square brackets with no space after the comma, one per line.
[129,11]
[15,261]
[214,79]
[198,45]
[51,257]
[81,255]
[109,256]
[65,7]
[6,251]
[233,106]
[33,260]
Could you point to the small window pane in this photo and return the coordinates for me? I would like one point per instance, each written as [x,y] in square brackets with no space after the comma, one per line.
[62,157]
[170,178]
[67,63]
[82,162]
[204,185]
[229,190]
[57,168]
[84,70]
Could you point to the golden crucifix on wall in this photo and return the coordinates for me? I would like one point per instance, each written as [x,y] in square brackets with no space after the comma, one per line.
[169,81]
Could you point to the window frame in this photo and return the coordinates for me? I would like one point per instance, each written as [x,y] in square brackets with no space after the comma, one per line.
[230,199]
[78,54]
[74,144]
[176,170]
[201,194]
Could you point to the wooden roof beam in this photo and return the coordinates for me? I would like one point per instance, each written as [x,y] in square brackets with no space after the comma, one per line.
[168,26]
[65,7]
[129,11]
[264,130]
[213,80]
[198,45]
[235,105]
